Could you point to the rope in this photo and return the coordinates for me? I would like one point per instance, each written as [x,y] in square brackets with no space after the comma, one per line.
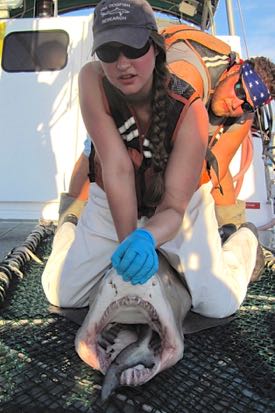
[243,29]
[11,266]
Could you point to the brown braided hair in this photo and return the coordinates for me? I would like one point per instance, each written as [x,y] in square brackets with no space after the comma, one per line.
[155,191]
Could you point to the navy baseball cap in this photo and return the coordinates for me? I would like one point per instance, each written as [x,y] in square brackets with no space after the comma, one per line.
[128,22]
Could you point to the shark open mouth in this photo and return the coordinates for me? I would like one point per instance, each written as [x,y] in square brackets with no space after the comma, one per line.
[123,323]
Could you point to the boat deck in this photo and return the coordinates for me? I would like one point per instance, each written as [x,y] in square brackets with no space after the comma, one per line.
[225,369]
[13,233]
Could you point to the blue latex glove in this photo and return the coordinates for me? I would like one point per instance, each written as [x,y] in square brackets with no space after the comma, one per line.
[135,259]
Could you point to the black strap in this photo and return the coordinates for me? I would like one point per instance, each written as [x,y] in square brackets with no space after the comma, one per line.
[91,173]
[212,162]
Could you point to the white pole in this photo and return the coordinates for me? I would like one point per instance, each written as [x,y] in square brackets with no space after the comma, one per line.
[230,17]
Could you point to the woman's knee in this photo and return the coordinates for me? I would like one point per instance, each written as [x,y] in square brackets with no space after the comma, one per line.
[61,296]
[220,308]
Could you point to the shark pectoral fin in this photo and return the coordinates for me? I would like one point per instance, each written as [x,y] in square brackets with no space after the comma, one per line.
[134,354]
[111,382]
[195,322]
[76,315]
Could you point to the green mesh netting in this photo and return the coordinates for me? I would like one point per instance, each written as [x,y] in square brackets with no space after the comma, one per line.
[225,369]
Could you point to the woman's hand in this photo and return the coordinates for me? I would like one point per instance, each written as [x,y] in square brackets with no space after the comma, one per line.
[135,259]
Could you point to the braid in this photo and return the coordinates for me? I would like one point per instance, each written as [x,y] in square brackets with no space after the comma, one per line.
[155,191]
[159,124]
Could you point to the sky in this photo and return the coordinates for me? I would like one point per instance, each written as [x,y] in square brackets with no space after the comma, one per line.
[258,25]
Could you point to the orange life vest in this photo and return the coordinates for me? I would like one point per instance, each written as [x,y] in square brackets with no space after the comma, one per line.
[203,61]
[180,96]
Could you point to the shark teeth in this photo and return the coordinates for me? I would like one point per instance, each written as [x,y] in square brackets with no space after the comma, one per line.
[108,347]
[131,301]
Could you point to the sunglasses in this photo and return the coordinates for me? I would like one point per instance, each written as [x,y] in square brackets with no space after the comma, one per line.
[240,93]
[109,53]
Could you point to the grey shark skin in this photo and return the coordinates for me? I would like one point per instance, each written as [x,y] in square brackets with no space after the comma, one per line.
[118,310]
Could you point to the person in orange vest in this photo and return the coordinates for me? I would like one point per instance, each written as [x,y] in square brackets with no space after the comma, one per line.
[232,90]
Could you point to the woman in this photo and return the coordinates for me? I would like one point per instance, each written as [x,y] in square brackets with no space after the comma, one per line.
[150,133]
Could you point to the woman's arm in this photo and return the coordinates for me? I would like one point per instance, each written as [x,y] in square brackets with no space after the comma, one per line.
[182,173]
[117,168]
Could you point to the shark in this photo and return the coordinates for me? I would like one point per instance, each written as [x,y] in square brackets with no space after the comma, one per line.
[133,332]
